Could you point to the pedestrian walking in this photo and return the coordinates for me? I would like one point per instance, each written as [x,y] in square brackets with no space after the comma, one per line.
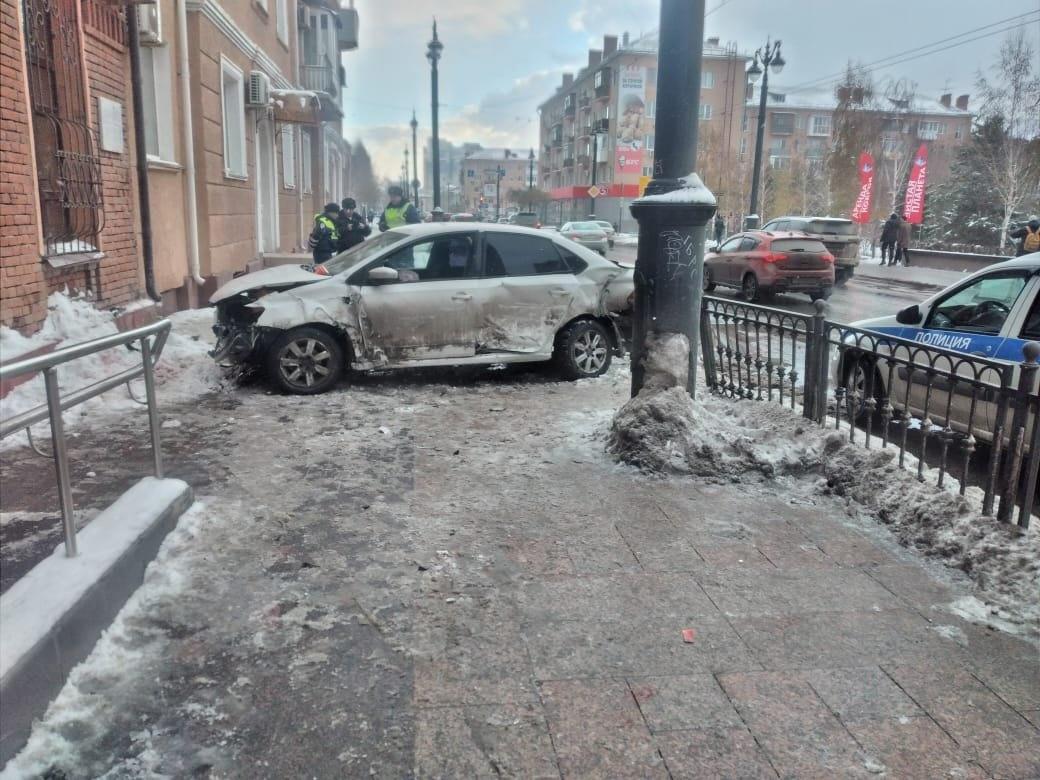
[903,242]
[1028,237]
[889,234]
[720,228]
[398,211]
[352,226]
[324,238]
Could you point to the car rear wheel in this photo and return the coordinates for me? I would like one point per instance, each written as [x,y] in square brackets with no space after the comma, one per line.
[822,295]
[584,350]
[305,361]
[709,283]
[749,288]
[841,276]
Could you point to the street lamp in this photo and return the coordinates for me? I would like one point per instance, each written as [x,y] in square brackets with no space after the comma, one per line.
[770,57]
[530,178]
[404,173]
[433,54]
[595,164]
[415,159]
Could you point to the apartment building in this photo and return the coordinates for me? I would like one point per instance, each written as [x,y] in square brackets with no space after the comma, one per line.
[451,155]
[68,195]
[478,172]
[246,145]
[241,113]
[799,131]
[598,127]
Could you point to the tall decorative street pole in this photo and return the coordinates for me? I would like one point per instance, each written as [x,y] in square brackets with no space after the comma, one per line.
[433,54]
[595,165]
[530,178]
[673,214]
[769,56]
[415,159]
[404,173]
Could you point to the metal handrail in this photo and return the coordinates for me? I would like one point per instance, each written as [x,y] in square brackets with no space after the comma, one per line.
[151,349]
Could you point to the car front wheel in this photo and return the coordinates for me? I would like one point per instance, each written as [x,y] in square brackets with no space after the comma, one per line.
[584,350]
[305,361]
[709,283]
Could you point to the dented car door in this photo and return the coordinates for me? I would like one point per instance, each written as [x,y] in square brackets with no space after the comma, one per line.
[430,312]
[534,294]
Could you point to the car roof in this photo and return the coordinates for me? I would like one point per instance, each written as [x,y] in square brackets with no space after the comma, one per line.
[1030,262]
[815,219]
[433,228]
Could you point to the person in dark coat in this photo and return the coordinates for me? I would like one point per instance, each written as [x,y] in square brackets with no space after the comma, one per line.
[351,226]
[324,238]
[889,233]
[720,228]
[1028,238]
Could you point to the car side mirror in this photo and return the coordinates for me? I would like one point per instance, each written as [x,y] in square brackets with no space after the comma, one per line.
[383,275]
[911,315]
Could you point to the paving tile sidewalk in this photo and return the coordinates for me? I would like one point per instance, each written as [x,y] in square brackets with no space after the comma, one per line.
[484,593]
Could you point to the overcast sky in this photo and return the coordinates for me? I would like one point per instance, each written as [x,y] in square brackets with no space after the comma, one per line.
[503,57]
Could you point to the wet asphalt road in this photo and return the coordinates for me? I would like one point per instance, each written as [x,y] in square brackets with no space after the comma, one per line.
[862,298]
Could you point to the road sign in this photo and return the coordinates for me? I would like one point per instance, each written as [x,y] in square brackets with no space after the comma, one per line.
[643,181]
[596,191]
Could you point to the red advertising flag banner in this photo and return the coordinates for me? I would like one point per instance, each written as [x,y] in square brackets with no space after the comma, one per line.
[913,205]
[861,211]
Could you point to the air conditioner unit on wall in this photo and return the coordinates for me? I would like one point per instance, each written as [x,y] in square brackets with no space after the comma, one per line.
[259,92]
[149,23]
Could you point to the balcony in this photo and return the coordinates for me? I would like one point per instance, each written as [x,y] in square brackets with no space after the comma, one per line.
[601,125]
[320,78]
[603,83]
[568,107]
[568,162]
[584,159]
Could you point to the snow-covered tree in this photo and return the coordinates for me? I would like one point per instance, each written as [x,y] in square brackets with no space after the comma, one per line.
[1009,158]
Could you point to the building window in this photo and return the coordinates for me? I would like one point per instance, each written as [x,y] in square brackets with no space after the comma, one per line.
[651,109]
[707,79]
[743,145]
[157,99]
[68,168]
[820,125]
[648,143]
[232,96]
[815,148]
[777,145]
[930,130]
[289,157]
[705,111]
[306,162]
[282,21]
[744,123]
[779,163]
[889,144]
[958,133]
[781,123]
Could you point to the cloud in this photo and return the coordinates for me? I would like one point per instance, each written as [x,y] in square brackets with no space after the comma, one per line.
[597,17]
[500,119]
[468,17]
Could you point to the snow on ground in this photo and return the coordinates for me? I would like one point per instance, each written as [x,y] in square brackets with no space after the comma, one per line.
[90,695]
[184,370]
[626,239]
[664,431]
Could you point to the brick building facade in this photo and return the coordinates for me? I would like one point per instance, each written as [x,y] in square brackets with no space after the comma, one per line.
[67,192]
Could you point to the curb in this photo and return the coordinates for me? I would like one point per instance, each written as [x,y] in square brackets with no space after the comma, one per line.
[52,617]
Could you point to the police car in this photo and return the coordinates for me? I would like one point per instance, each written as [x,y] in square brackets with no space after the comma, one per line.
[990,314]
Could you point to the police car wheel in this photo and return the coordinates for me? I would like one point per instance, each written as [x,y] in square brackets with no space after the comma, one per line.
[861,378]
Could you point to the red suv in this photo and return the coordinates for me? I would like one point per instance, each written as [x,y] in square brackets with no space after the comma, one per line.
[760,263]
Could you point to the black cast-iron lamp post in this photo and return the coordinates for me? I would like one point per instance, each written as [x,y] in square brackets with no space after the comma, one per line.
[770,57]
[433,54]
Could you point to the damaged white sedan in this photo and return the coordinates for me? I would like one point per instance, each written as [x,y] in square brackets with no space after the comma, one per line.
[428,295]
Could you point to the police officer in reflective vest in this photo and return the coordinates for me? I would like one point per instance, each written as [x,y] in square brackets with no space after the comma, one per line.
[324,240]
[398,211]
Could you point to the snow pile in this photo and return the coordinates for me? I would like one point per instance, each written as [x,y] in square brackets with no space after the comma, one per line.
[664,431]
[184,369]
[626,239]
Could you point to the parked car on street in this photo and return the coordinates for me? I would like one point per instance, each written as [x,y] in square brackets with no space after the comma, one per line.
[990,314]
[526,219]
[608,229]
[428,295]
[587,234]
[838,235]
[759,264]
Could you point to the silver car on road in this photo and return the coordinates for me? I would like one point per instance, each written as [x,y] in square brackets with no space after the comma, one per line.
[587,234]
[440,294]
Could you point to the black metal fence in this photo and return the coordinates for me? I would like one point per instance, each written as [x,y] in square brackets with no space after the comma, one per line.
[937,404]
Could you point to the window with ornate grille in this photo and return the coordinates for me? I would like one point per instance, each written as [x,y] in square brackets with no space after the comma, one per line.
[67,165]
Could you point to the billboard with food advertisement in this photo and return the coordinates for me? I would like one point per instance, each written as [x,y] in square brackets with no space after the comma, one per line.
[633,122]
